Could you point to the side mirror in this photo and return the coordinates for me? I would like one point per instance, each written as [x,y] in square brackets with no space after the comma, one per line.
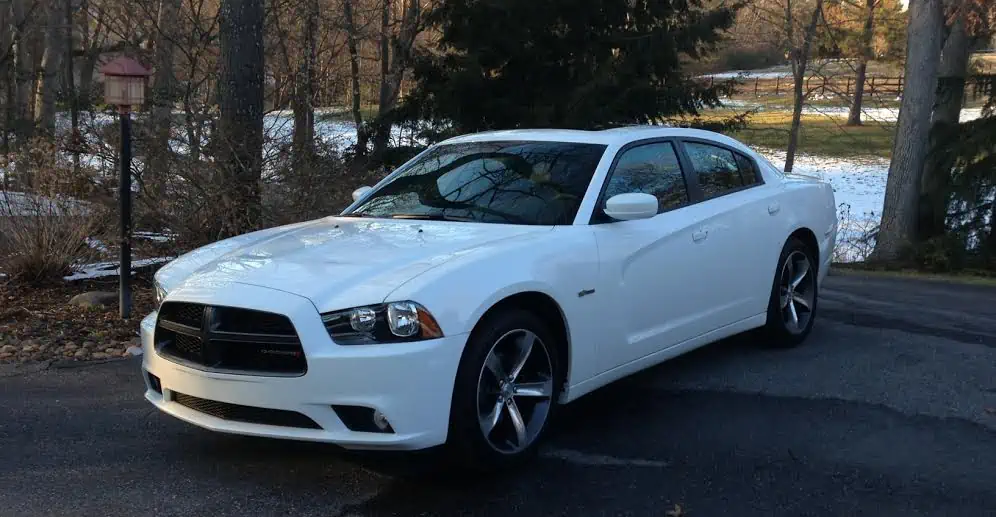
[360,192]
[628,207]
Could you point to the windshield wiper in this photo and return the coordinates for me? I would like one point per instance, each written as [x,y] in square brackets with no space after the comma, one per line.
[433,217]
[357,214]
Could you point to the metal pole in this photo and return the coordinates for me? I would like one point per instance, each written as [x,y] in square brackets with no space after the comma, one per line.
[71,84]
[124,194]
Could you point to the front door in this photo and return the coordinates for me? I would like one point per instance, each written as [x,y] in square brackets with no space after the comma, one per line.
[649,267]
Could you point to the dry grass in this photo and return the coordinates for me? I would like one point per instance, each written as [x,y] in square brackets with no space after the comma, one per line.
[819,134]
[46,223]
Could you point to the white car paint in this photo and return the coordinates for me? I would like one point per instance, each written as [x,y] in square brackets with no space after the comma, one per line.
[631,293]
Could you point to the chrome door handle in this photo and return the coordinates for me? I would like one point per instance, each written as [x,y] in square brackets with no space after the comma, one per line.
[700,235]
[774,208]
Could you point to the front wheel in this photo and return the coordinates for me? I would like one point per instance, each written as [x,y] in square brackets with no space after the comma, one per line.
[792,306]
[505,392]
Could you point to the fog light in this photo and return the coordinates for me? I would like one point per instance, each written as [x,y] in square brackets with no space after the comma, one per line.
[381,421]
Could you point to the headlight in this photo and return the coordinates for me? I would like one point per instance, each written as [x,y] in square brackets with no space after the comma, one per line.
[392,322]
[160,293]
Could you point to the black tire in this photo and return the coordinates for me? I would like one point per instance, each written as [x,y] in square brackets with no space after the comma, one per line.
[778,332]
[467,445]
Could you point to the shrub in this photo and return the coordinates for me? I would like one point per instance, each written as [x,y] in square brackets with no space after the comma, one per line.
[48,221]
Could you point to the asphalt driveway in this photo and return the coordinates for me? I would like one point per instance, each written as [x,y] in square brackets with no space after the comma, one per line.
[890,409]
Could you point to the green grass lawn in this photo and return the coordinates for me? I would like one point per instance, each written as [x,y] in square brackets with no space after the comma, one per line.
[819,134]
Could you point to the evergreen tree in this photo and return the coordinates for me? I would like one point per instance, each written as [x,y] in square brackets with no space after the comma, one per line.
[582,64]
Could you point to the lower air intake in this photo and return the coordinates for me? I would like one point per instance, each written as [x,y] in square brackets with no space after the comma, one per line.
[247,414]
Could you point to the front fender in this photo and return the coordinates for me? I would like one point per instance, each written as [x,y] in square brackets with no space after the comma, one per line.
[560,265]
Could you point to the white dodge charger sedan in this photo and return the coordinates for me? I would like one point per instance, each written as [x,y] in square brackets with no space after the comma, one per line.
[485,282]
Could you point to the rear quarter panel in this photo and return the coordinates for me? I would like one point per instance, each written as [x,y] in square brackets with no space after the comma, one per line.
[810,203]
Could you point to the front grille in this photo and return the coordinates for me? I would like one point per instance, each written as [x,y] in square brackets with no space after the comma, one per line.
[247,414]
[190,314]
[229,339]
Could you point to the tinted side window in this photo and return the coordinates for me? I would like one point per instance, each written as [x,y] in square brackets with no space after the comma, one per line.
[716,168]
[747,170]
[650,169]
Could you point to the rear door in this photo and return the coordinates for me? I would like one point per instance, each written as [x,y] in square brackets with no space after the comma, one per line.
[739,216]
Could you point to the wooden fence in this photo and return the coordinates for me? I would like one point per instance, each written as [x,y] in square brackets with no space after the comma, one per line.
[976,86]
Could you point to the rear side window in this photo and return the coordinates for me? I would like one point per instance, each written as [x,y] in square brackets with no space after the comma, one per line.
[650,169]
[716,168]
[748,171]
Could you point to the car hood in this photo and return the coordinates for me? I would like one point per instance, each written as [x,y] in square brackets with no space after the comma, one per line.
[336,262]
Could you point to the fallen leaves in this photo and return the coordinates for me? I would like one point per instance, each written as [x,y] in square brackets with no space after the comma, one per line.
[39,323]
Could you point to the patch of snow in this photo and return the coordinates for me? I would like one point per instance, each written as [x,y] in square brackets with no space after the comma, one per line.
[23,204]
[873,114]
[96,244]
[104,269]
[152,236]
[859,190]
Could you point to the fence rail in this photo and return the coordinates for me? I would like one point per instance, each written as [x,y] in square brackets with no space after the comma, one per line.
[976,86]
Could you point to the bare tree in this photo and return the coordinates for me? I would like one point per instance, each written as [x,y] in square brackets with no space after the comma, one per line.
[51,64]
[398,52]
[352,38]
[163,96]
[304,86]
[240,126]
[797,40]
[902,192]
[22,27]
[864,56]
[800,60]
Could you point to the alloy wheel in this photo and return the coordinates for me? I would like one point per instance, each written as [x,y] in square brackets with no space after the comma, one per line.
[797,292]
[514,391]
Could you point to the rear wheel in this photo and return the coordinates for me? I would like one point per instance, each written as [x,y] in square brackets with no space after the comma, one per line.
[792,306]
[505,392]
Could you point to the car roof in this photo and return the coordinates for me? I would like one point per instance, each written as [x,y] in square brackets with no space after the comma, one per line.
[614,136]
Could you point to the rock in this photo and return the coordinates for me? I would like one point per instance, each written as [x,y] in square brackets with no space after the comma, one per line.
[100,355]
[89,345]
[112,351]
[133,350]
[4,357]
[8,349]
[94,299]
[28,348]
[70,347]
[80,354]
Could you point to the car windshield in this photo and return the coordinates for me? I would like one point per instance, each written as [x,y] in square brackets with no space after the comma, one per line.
[513,182]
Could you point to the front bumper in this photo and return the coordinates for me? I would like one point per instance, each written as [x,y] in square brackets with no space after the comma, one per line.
[411,384]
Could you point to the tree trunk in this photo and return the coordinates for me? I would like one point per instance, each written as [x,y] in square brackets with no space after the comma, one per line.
[354,74]
[936,181]
[24,70]
[163,98]
[991,241]
[240,125]
[48,76]
[304,89]
[7,78]
[390,85]
[798,97]
[800,62]
[381,128]
[867,35]
[902,191]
